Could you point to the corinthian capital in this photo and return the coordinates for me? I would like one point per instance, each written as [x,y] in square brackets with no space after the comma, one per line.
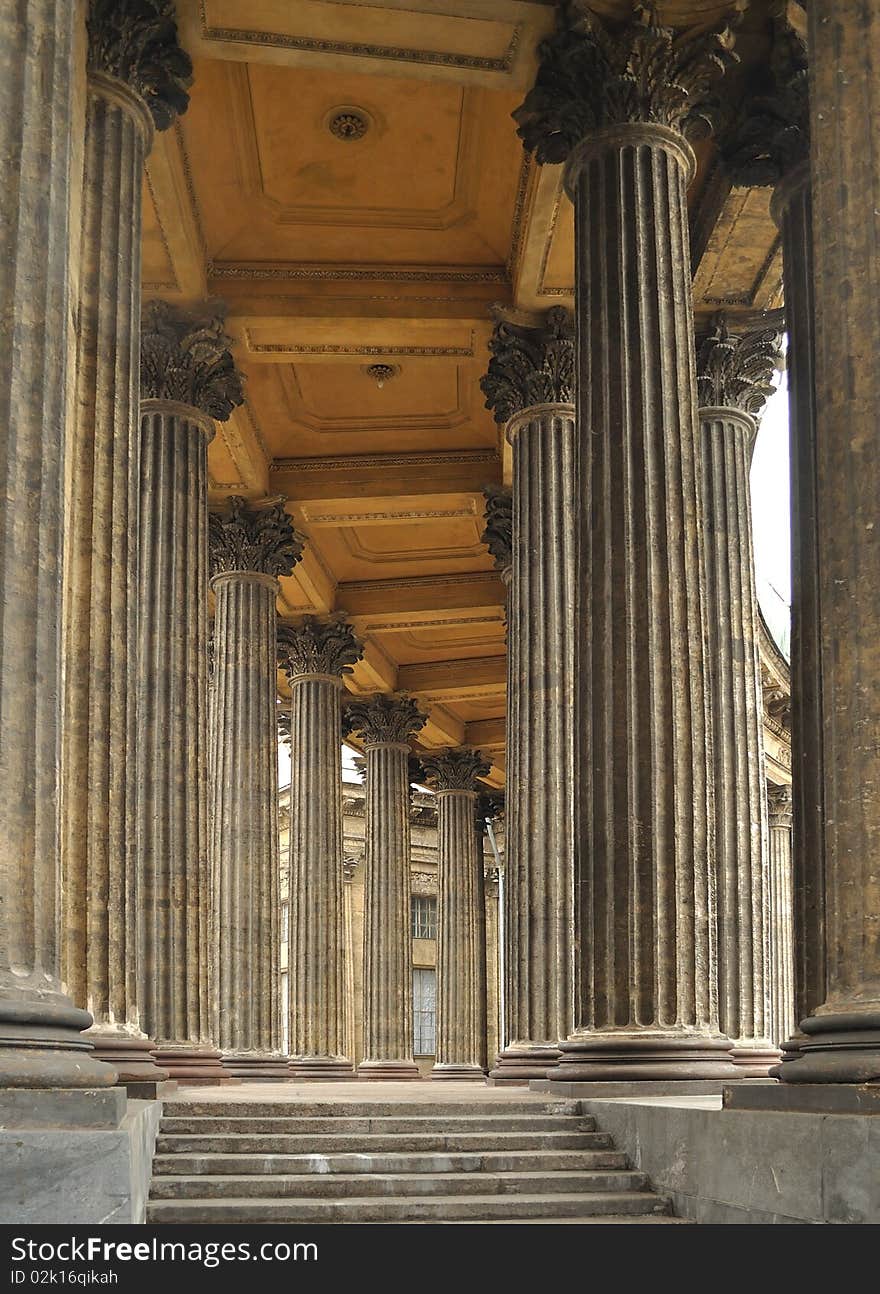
[770,135]
[318,647]
[779,805]
[188,361]
[498,533]
[253,539]
[454,770]
[135,41]
[595,72]
[383,720]
[735,370]
[530,365]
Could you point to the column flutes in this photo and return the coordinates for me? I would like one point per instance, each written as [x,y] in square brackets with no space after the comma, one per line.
[530,387]
[386,724]
[770,145]
[316,655]
[734,381]
[250,547]
[842,1043]
[461,917]
[188,380]
[780,908]
[136,78]
[615,101]
[41,1043]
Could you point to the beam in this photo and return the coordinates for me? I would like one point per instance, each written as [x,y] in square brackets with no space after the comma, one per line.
[168,184]
[486,734]
[304,480]
[419,598]
[455,678]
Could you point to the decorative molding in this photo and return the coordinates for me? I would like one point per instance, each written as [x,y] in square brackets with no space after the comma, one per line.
[498,532]
[454,770]
[735,370]
[188,361]
[380,462]
[596,73]
[423,880]
[383,720]
[359,49]
[335,349]
[530,365]
[518,223]
[253,539]
[318,647]
[353,273]
[135,41]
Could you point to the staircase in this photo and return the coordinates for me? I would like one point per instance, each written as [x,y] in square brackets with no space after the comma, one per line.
[392,1161]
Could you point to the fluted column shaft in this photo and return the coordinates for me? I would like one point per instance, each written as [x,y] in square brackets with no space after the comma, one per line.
[780,908]
[648,979]
[172,725]
[843,1033]
[315,944]
[244,818]
[461,941]
[40,1040]
[734,681]
[388,1024]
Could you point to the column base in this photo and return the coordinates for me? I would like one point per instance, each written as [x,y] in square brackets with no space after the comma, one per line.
[131,1055]
[791,1048]
[840,1047]
[321,1069]
[43,1045]
[256,1067]
[388,1071]
[516,1066]
[452,1073]
[652,1055]
[193,1066]
[755,1060]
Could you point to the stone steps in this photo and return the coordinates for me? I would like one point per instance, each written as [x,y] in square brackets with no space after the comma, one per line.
[635,1204]
[405,1161]
[331,1186]
[463,1162]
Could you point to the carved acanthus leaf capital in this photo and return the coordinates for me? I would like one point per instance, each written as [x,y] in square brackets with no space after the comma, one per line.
[454,770]
[318,647]
[135,41]
[489,804]
[779,802]
[595,72]
[530,365]
[188,361]
[253,539]
[770,134]
[498,531]
[735,370]
[383,720]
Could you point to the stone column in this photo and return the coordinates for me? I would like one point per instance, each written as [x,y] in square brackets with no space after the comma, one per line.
[136,75]
[780,912]
[530,388]
[316,656]
[41,1041]
[187,380]
[770,145]
[385,725]
[842,1043]
[734,381]
[249,548]
[461,916]
[615,102]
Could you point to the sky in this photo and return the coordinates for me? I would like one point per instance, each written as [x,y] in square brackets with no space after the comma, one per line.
[770,531]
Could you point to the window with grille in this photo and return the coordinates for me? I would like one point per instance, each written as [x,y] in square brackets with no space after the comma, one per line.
[424,916]
[424,1012]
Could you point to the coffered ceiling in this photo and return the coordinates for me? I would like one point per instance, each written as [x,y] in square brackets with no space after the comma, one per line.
[348,183]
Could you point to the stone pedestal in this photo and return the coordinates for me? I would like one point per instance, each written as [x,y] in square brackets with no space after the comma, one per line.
[782,1014]
[530,387]
[187,380]
[734,381]
[315,656]
[461,918]
[249,549]
[842,1042]
[386,725]
[646,878]
[100,627]
[41,1039]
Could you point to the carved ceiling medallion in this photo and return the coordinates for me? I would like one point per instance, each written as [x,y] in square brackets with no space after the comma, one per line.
[382,373]
[348,124]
